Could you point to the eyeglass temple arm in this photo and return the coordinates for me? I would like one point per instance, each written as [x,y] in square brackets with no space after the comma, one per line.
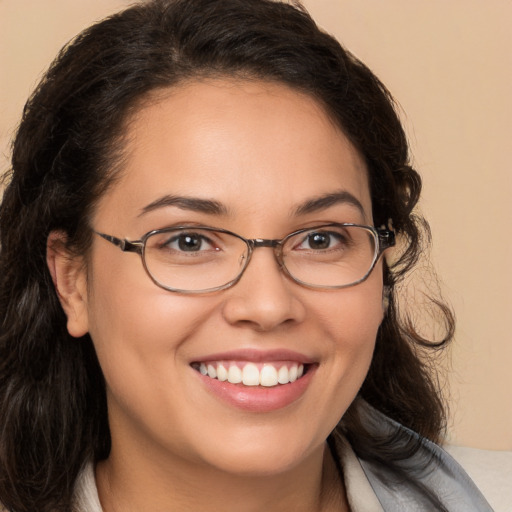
[124,245]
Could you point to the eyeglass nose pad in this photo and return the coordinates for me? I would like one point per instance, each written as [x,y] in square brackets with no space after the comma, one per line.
[252,244]
[278,255]
[243,260]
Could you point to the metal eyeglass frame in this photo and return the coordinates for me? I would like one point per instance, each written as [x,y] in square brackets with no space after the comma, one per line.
[384,239]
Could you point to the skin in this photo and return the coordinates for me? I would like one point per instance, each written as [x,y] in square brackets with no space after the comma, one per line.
[259,149]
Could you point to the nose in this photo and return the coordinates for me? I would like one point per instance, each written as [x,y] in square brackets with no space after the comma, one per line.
[264,298]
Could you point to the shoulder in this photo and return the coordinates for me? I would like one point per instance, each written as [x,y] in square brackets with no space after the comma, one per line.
[490,470]
[410,473]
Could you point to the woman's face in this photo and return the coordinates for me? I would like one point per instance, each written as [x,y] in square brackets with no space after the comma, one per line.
[261,152]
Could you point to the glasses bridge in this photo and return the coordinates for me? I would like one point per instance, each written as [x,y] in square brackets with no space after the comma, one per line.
[263,242]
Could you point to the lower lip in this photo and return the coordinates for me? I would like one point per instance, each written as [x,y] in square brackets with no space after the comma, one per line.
[258,398]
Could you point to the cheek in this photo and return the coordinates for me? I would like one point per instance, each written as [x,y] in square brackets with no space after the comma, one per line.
[138,329]
[126,309]
[140,340]
[142,327]
[355,315]
[351,322]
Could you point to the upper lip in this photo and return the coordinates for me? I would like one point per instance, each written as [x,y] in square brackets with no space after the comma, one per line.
[256,356]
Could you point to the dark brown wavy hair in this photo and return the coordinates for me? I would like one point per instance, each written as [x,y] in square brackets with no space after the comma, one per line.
[67,153]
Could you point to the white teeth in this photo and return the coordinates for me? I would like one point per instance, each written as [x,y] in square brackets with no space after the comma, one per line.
[212,371]
[222,373]
[251,375]
[283,375]
[234,374]
[268,376]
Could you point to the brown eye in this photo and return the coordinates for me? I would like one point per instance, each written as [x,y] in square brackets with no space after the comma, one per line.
[188,242]
[320,240]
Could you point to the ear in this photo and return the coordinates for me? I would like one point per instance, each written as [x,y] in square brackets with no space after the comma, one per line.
[70,280]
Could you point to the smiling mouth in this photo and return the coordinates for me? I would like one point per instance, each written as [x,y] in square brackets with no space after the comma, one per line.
[252,374]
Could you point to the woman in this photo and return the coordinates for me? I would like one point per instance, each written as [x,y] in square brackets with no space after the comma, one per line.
[249,355]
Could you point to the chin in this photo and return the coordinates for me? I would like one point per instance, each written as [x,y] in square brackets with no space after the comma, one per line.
[263,451]
[262,463]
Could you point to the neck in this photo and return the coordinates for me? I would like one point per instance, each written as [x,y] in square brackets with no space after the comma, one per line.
[314,486]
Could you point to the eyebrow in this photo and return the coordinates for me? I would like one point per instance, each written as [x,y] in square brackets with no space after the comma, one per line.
[195,204]
[212,207]
[327,200]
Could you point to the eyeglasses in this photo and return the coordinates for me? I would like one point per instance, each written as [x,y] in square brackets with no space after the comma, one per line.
[199,259]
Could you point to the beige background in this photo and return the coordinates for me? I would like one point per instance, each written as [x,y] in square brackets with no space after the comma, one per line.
[449,63]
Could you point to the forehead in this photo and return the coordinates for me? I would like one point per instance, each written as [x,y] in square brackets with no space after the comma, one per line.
[251,146]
